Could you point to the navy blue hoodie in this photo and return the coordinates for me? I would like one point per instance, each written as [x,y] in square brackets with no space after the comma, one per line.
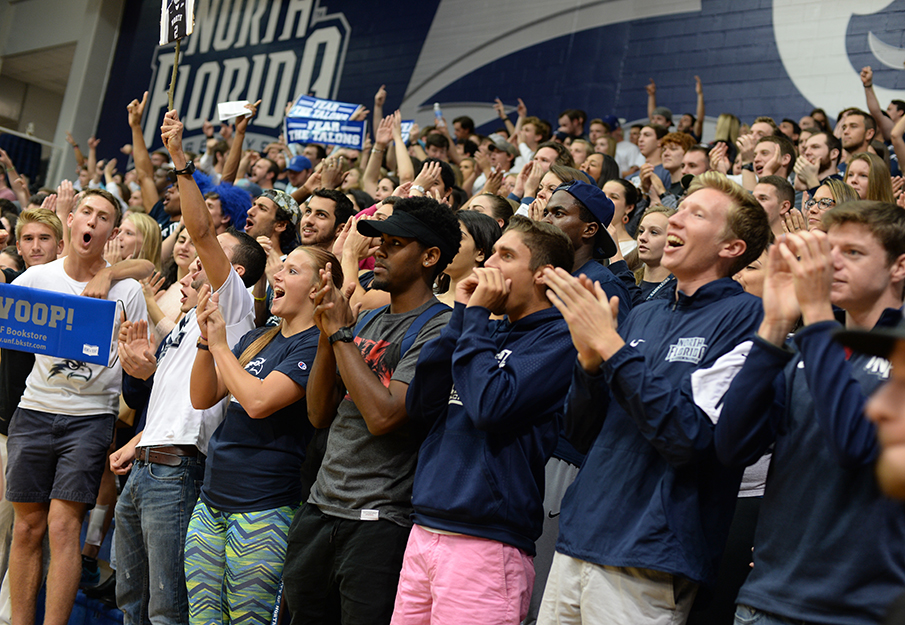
[493,392]
[829,547]
[651,492]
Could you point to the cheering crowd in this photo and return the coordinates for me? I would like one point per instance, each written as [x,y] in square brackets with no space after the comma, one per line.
[567,372]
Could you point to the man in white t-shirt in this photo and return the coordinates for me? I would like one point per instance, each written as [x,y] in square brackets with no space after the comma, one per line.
[167,458]
[59,436]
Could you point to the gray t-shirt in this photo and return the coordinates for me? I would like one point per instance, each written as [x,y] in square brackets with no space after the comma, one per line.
[366,477]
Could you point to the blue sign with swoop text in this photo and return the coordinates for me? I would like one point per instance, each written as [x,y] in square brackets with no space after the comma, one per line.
[55,324]
[315,120]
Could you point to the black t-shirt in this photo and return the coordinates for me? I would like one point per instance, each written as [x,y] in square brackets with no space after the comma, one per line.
[254,464]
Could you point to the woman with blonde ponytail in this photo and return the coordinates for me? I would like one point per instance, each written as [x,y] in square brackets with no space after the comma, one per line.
[236,541]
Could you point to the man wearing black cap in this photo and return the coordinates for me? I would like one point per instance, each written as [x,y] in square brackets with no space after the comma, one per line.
[497,427]
[583,212]
[349,538]
[822,511]
[646,518]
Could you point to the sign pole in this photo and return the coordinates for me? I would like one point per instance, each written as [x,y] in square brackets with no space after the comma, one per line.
[173,79]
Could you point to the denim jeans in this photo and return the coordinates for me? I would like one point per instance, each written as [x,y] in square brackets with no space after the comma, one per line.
[152,516]
[745,615]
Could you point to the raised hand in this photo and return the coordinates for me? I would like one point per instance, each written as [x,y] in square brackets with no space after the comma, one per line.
[136,349]
[136,109]
[242,120]
[781,309]
[590,314]
[746,144]
[380,97]
[171,132]
[794,221]
[810,260]
[494,180]
[867,77]
[429,176]
[807,171]
[384,133]
[651,88]
[499,108]
[719,159]
[65,200]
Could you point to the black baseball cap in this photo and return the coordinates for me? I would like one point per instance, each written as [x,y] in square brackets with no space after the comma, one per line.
[402,224]
[877,342]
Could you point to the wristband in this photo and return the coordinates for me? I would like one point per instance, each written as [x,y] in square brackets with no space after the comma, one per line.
[200,345]
[417,187]
[259,299]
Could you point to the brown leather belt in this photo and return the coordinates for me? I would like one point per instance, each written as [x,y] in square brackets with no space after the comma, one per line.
[169,455]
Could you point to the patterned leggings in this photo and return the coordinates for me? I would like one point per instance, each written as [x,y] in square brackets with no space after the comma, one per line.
[233,564]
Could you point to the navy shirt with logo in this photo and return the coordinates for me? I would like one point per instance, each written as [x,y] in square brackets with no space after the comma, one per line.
[254,464]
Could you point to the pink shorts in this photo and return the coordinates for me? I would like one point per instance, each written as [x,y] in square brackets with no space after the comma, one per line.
[450,580]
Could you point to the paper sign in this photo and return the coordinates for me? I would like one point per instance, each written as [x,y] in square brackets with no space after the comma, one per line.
[229,110]
[56,324]
[406,127]
[177,20]
[309,107]
[345,134]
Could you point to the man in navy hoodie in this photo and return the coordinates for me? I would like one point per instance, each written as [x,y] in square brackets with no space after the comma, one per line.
[492,393]
[829,547]
[645,521]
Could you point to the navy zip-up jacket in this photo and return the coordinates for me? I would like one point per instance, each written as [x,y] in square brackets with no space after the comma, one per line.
[651,492]
[829,547]
[493,392]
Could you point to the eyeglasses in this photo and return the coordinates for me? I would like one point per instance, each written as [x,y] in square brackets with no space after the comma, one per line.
[825,203]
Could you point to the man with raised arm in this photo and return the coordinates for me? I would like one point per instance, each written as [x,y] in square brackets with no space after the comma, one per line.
[347,542]
[165,461]
[645,521]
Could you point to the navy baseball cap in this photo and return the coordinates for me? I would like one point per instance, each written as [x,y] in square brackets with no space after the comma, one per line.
[600,206]
[299,163]
[611,120]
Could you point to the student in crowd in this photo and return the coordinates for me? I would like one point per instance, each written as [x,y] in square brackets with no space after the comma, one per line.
[869,176]
[655,280]
[831,193]
[347,542]
[165,461]
[647,428]
[479,234]
[55,501]
[625,198]
[235,546]
[139,237]
[822,509]
[469,556]
[584,213]
[165,311]
[494,206]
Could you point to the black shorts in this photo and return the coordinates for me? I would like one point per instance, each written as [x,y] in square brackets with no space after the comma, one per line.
[56,456]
